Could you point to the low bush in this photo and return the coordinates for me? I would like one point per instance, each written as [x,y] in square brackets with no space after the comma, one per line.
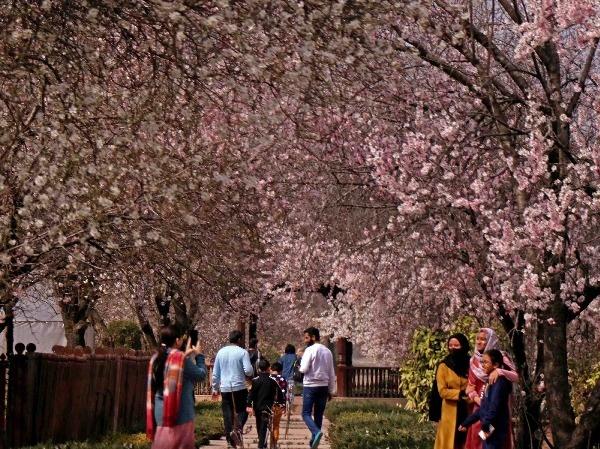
[208,422]
[376,425]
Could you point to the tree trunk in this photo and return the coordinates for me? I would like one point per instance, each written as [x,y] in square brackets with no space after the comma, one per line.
[556,375]
[74,331]
[145,325]
[527,435]
[10,331]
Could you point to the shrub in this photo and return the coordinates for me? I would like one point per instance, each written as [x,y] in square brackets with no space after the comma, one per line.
[376,425]
[584,374]
[427,349]
[208,422]
[124,334]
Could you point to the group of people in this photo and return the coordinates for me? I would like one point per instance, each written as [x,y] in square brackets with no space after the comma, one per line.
[247,383]
[471,395]
[20,348]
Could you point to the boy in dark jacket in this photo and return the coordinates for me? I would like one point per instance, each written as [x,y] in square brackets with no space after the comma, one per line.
[265,391]
[279,408]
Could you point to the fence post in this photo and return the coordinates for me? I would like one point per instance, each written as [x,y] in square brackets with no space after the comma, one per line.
[3,389]
[342,384]
[117,398]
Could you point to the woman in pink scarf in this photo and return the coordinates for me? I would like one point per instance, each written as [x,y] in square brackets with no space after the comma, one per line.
[478,379]
[170,397]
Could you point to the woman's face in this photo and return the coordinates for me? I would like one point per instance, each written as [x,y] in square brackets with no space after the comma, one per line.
[481,341]
[487,364]
[454,345]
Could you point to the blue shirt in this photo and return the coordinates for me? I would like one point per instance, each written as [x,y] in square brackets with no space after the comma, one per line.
[232,365]
[192,373]
[288,360]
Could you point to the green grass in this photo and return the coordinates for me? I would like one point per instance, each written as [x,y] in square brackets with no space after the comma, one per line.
[208,425]
[376,425]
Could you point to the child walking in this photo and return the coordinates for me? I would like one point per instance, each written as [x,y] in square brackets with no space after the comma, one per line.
[280,402]
[265,391]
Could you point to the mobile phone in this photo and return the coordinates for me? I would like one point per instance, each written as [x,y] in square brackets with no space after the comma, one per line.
[193,336]
[482,434]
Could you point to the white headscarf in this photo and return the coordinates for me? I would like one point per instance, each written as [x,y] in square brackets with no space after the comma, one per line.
[492,343]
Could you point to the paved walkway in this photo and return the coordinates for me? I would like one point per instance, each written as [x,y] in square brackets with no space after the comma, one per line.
[298,435]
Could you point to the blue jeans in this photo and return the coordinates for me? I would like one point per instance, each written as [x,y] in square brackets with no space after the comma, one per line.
[314,400]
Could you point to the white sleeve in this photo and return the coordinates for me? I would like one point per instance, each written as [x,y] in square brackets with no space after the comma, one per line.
[305,362]
[332,375]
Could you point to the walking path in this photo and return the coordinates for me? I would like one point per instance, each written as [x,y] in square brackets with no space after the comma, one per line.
[298,435]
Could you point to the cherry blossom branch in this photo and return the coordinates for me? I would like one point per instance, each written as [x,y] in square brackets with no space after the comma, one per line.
[582,78]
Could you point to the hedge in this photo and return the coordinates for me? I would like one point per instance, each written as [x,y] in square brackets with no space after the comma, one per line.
[376,425]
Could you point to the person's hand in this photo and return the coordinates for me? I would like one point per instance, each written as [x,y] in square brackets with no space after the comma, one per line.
[470,389]
[214,396]
[192,350]
[462,429]
[250,411]
[477,400]
[493,377]
[329,396]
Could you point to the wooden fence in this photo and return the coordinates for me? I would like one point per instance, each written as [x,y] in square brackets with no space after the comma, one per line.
[71,396]
[204,387]
[368,382]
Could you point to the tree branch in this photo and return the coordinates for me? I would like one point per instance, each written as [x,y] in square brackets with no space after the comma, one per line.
[582,78]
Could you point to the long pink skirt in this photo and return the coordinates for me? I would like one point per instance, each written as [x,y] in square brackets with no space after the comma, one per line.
[178,437]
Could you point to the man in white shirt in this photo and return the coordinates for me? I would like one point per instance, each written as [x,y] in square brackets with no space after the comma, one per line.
[319,383]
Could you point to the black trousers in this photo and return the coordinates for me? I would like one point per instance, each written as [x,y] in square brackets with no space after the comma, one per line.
[234,411]
[262,425]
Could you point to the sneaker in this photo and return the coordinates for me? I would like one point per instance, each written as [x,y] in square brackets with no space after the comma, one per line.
[317,440]
[236,439]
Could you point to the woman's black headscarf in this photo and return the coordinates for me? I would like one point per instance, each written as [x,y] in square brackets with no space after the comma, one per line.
[458,361]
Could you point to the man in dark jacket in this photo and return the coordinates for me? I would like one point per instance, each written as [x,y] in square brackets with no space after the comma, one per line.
[265,391]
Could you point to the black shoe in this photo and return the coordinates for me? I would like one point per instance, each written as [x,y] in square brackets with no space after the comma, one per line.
[236,439]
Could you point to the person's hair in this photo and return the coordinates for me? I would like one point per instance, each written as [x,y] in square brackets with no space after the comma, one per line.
[313,332]
[263,365]
[235,336]
[496,357]
[277,367]
[253,343]
[168,336]
[19,348]
[31,347]
[290,349]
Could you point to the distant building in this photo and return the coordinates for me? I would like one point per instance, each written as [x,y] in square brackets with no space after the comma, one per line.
[37,320]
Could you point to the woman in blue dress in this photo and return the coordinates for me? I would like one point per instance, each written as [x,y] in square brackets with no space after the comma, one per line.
[494,412]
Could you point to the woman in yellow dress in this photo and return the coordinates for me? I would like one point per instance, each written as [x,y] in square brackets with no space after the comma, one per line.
[452,380]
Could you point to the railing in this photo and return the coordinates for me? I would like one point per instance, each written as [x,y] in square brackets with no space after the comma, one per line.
[204,387]
[368,382]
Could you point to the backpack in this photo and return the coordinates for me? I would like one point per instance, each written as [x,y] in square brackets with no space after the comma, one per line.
[435,401]
[298,376]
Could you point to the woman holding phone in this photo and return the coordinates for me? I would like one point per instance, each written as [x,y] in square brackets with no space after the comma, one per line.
[170,401]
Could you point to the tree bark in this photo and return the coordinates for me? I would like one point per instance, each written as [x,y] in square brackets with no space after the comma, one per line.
[527,435]
[556,374]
